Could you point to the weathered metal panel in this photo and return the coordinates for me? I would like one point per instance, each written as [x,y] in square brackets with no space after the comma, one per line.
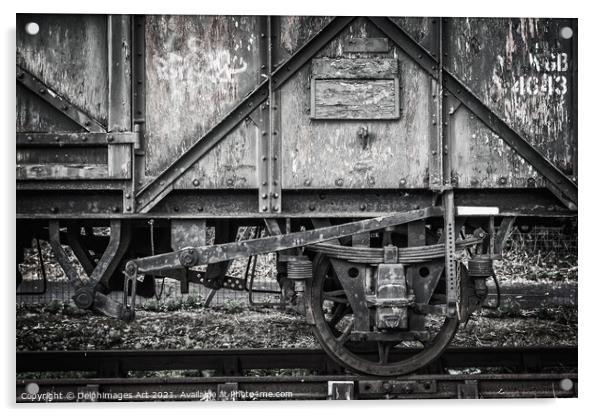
[69,54]
[295,31]
[329,153]
[230,164]
[197,69]
[523,69]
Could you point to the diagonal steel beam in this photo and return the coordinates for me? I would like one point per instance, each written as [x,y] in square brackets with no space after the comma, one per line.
[57,101]
[153,192]
[557,182]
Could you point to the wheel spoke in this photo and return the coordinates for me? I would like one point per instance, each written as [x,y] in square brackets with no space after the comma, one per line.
[346,333]
[383,352]
[336,296]
[337,315]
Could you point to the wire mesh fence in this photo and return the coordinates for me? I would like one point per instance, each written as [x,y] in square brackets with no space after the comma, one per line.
[538,253]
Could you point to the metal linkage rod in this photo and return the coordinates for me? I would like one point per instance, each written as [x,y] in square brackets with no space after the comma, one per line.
[189,257]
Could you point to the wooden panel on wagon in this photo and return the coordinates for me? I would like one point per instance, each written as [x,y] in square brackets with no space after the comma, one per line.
[364,89]
[523,69]
[197,69]
[336,153]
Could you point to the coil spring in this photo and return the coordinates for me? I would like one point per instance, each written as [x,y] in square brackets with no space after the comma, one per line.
[300,268]
[481,266]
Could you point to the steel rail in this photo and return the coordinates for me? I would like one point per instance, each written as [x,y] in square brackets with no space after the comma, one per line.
[235,361]
[461,386]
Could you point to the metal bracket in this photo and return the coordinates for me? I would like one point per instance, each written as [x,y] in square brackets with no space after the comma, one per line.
[469,390]
[369,388]
[341,390]
[86,295]
[449,236]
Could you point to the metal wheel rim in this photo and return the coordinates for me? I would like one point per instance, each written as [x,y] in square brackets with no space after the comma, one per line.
[348,359]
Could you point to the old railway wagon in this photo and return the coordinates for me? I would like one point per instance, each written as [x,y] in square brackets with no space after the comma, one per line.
[383,159]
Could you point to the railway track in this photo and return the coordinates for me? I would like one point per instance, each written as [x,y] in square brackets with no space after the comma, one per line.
[112,375]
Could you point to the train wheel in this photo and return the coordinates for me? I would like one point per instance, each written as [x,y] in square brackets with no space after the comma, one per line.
[333,318]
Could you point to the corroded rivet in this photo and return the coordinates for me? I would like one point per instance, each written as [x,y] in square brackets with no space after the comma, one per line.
[312,207]
[230,182]
[362,207]
[54,209]
[275,208]
[195,182]
[275,195]
[339,182]
[176,208]
[29,138]
[128,208]
[109,138]
[115,209]
[264,208]
[307,182]
[264,196]
[402,181]
[42,90]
